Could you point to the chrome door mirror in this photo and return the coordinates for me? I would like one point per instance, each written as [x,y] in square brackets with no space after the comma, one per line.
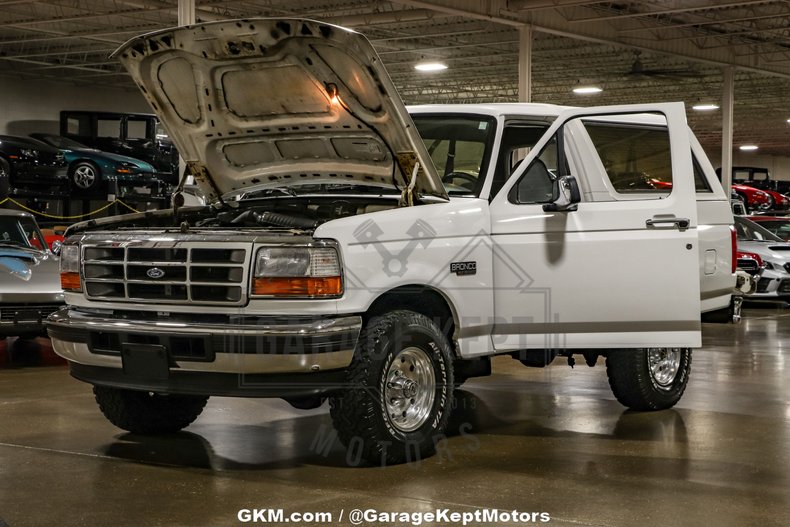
[57,245]
[565,195]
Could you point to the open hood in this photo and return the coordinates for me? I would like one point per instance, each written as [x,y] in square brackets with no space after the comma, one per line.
[263,103]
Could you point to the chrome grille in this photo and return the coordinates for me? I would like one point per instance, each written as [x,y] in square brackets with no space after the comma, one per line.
[184,272]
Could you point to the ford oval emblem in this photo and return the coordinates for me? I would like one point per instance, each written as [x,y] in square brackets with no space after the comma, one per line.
[155,272]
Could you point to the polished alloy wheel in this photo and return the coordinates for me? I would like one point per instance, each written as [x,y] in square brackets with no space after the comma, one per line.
[410,389]
[84,176]
[663,364]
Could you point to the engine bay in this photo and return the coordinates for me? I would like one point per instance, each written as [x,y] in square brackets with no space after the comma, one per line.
[299,213]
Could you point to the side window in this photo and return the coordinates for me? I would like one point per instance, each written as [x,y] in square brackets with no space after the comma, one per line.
[636,157]
[109,128]
[78,125]
[136,129]
[740,176]
[536,183]
[700,181]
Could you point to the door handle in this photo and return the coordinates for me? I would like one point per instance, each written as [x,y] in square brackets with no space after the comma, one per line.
[680,223]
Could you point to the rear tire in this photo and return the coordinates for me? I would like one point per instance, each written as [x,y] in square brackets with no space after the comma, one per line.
[146,412]
[648,378]
[400,391]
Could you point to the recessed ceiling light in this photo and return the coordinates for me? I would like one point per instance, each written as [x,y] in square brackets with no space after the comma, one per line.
[705,107]
[587,90]
[430,66]
[748,148]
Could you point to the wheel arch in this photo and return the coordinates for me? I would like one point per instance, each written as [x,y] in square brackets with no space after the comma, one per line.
[76,162]
[423,299]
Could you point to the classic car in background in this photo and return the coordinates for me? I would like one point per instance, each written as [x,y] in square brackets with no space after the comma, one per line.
[92,170]
[771,254]
[758,177]
[779,225]
[30,167]
[140,136]
[29,276]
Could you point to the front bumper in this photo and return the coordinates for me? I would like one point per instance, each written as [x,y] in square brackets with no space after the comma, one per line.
[219,358]
[771,285]
[24,319]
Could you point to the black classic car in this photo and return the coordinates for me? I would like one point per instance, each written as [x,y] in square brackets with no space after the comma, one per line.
[31,168]
[140,136]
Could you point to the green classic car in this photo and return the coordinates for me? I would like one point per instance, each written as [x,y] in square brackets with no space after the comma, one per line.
[93,171]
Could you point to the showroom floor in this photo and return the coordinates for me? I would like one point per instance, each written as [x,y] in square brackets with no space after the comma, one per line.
[551,440]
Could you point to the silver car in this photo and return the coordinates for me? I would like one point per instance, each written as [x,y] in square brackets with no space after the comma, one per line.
[29,276]
[774,255]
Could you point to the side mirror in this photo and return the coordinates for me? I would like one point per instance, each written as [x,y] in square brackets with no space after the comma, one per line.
[57,245]
[564,196]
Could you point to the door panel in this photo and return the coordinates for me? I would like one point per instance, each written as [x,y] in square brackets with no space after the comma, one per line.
[600,276]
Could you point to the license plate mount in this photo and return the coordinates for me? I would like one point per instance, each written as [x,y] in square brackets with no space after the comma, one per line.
[149,361]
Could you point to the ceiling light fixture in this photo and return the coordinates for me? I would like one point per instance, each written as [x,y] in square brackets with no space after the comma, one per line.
[430,66]
[705,107]
[748,148]
[587,90]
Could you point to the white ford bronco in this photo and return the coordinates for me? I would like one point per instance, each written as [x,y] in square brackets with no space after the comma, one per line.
[357,251]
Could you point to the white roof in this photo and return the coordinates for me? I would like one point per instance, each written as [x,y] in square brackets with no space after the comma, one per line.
[493,109]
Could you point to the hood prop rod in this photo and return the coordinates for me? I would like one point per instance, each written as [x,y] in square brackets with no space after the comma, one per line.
[407,197]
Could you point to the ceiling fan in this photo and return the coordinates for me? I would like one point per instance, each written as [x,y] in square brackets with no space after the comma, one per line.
[638,69]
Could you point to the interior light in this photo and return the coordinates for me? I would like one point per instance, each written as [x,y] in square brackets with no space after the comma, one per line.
[705,107]
[430,66]
[748,148]
[587,90]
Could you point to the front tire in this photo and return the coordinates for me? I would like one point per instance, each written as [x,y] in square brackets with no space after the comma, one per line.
[148,413]
[648,378]
[85,177]
[400,390]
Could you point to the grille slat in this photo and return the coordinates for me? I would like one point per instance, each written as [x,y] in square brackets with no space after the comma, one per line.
[188,273]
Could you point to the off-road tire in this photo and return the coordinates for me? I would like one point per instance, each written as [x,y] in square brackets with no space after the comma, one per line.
[148,413]
[360,412]
[635,386]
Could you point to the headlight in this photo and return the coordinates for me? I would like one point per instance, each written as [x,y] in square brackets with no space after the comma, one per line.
[70,268]
[126,168]
[306,272]
[768,265]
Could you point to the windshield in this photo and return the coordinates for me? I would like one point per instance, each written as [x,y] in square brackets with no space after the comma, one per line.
[62,142]
[749,231]
[20,232]
[460,147]
[779,227]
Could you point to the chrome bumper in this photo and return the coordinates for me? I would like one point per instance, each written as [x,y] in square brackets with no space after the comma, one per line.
[258,345]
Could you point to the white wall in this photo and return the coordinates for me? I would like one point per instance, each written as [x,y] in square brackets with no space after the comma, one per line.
[29,105]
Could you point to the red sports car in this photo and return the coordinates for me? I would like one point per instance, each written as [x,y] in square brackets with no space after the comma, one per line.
[754,198]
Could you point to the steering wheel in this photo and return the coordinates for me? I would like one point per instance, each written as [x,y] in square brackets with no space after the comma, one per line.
[469,178]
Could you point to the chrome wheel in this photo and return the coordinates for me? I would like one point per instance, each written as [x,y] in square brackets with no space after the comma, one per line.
[663,364]
[410,389]
[84,176]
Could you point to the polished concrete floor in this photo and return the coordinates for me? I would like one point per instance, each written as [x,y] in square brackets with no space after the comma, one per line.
[552,440]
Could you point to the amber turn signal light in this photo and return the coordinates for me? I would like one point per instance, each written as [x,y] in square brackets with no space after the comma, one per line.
[303,286]
[70,282]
